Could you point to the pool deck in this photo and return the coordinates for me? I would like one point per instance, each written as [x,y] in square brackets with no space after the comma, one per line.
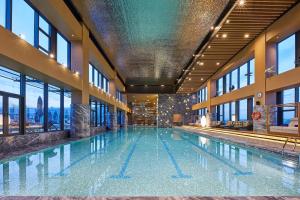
[150,198]
[248,138]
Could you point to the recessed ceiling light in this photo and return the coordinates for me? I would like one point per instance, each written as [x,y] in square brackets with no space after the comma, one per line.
[131,85]
[209,46]
[51,55]
[224,35]
[217,63]
[190,79]
[227,21]
[217,35]
[146,85]
[202,55]
[212,28]
[201,79]
[162,85]
[246,35]
[242,2]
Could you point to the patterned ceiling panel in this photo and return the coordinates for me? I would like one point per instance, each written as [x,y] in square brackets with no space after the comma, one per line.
[149,41]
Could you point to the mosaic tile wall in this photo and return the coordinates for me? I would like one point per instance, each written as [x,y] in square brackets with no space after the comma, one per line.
[169,104]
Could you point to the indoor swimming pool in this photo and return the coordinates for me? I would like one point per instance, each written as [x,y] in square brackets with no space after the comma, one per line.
[149,162]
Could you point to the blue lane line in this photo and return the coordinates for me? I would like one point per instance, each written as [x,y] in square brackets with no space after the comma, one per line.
[122,172]
[238,171]
[62,172]
[180,174]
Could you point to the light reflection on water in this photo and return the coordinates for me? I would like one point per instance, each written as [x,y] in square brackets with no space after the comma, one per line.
[149,161]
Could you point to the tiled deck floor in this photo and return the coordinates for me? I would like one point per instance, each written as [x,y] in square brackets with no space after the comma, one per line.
[262,141]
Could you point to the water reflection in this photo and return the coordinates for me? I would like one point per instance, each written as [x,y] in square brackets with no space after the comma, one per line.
[21,174]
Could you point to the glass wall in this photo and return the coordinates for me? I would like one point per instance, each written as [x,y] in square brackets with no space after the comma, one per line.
[54,94]
[99,113]
[1,115]
[44,35]
[202,95]
[238,78]
[63,50]
[202,112]
[67,110]
[288,96]
[286,51]
[34,105]
[23,20]
[98,79]
[2,13]
[227,112]
[10,81]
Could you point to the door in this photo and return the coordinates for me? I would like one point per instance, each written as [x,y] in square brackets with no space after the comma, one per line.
[9,114]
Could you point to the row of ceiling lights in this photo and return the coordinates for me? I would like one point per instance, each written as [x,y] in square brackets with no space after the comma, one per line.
[224,35]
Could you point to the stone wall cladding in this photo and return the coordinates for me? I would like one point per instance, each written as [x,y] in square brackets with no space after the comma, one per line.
[97,130]
[80,120]
[16,142]
[169,104]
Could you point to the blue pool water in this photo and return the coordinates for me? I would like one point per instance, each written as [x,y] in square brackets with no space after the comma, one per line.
[149,161]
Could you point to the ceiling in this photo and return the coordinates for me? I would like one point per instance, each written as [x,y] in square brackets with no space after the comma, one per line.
[251,18]
[149,42]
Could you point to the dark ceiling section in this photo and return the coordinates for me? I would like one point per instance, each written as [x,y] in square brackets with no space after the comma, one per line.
[149,41]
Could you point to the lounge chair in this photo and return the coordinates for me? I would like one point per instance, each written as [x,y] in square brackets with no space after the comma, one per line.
[238,125]
[229,124]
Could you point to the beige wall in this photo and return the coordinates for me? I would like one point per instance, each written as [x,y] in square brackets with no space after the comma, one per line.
[263,48]
[19,55]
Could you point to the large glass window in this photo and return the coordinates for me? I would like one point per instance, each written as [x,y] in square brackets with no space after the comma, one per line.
[251,71]
[286,54]
[227,80]
[96,75]
[227,112]
[243,75]
[288,96]
[34,105]
[220,87]
[90,73]
[232,109]
[53,108]
[2,12]
[63,50]
[93,113]
[67,110]
[10,81]
[243,114]
[44,35]
[23,20]
[234,80]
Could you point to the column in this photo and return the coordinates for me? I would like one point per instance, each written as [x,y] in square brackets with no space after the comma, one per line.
[80,109]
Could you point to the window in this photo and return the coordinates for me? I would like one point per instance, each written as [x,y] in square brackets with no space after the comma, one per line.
[286,54]
[251,71]
[119,95]
[63,50]
[220,87]
[67,110]
[227,80]
[234,80]
[98,114]
[93,113]
[227,112]
[232,111]
[2,12]
[90,73]
[288,96]
[44,35]
[96,74]
[23,20]
[34,105]
[1,115]
[243,75]
[238,78]
[10,81]
[220,113]
[53,108]
[243,110]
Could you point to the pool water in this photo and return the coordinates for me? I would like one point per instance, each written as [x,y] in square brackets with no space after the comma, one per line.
[149,161]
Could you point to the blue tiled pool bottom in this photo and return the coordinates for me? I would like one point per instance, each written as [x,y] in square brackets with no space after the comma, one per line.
[149,162]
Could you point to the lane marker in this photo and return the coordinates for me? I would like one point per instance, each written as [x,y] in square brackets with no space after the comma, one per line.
[122,173]
[180,174]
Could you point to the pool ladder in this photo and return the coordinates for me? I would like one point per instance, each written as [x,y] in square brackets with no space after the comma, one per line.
[288,139]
